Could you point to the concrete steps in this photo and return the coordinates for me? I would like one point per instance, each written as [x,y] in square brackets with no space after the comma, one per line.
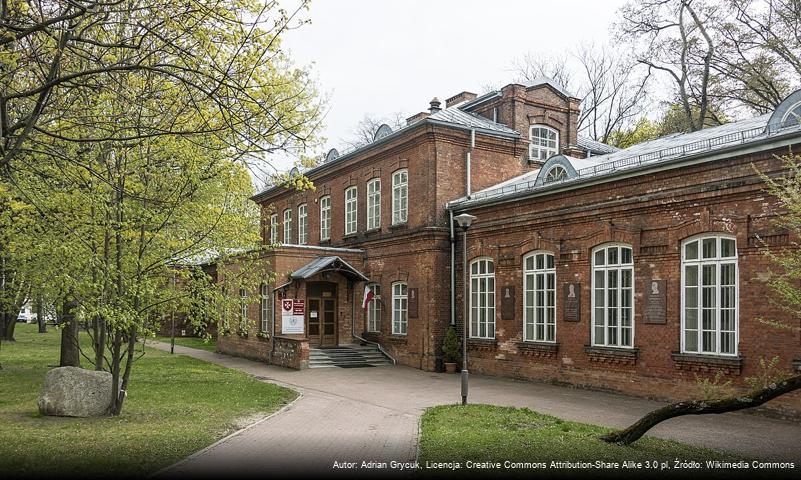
[347,356]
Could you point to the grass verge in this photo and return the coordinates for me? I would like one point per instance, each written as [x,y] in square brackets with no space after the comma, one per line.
[192,342]
[176,406]
[486,433]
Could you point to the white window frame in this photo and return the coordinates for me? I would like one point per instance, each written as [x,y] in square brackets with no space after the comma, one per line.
[606,268]
[717,261]
[400,308]
[288,226]
[303,224]
[400,196]
[351,210]
[266,304]
[274,228]
[541,147]
[555,174]
[325,218]
[374,309]
[374,204]
[540,314]
[243,304]
[482,298]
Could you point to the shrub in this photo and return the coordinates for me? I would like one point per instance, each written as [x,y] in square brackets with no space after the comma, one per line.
[452,346]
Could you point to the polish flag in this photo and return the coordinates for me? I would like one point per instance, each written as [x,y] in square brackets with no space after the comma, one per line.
[368,295]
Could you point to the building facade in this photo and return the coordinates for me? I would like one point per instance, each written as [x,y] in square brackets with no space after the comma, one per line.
[634,270]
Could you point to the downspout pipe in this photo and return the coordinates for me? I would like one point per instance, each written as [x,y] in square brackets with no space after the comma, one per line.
[352,285]
[453,269]
[469,179]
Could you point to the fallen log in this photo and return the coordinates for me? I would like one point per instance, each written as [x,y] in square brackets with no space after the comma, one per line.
[701,407]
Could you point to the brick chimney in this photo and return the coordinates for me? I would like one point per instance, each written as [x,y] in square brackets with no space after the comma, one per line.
[416,117]
[459,98]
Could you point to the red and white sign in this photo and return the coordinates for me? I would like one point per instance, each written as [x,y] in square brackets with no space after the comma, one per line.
[292,315]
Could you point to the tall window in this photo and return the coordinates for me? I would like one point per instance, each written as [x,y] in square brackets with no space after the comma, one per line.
[243,304]
[482,298]
[274,228]
[400,307]
[374,204]
[266,312]
[709,295]
[325,218]
[539,297]
[374,309]
[613,296]
[350,210]
[400,196]
[302,225]
[544,142]
[287,226]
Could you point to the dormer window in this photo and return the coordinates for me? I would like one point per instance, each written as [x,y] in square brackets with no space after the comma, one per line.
[555,174]
[544,142]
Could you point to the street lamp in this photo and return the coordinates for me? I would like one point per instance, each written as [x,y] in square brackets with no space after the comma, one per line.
[464,221]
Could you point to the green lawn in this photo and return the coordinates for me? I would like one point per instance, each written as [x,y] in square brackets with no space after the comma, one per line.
[176,405]
[192,342]
[485,433]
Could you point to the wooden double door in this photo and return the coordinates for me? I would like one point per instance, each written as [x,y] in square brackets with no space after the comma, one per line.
[321,314]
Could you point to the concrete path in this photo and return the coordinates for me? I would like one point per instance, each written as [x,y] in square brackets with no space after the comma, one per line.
[348,415]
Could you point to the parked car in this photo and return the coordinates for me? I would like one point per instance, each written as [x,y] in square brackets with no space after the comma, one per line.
[26,315]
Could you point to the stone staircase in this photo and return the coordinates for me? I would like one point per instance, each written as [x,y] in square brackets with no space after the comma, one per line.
[347,356]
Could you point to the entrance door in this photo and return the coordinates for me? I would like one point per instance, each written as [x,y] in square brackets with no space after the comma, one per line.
[321,314]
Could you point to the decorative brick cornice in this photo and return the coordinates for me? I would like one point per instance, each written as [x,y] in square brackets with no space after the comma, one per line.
[707,363]
[612,356]
[538,349]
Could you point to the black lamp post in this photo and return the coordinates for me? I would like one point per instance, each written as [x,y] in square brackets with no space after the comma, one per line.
[464,221]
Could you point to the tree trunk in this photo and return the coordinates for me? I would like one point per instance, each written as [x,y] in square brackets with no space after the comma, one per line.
[70,350]
[40,315]
[9,323]
[701,407]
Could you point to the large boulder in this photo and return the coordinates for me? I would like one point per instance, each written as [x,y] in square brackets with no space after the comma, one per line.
[75,392]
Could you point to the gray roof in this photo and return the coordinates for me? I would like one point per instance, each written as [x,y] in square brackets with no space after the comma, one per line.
[662,150]
[594,146]
[327,264]
[456,116]
[550,82]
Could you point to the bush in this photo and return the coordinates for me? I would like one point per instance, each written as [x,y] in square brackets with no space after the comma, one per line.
[452,346]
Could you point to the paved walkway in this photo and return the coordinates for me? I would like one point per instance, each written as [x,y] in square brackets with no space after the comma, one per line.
[373,413]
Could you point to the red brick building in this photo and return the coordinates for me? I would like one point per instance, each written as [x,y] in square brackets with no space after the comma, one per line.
[632,270]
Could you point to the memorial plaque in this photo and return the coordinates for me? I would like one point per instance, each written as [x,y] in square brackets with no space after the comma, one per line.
[572,302]
[412,312]
[508,302]
[655,302]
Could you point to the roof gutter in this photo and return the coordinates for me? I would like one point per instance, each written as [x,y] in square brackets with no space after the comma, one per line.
[759,145]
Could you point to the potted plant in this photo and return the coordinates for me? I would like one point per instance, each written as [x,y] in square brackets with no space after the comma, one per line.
[451,348]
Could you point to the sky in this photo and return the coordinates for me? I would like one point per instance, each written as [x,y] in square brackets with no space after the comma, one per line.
[379,57]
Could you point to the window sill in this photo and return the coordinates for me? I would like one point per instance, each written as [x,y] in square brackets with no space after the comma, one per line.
[797,365]
[373,231]
[395,338]
[707,363]
[612,355]
[538,349]
[399,226]
[325,243]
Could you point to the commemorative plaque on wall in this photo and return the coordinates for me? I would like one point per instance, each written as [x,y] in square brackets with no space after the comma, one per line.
[571,303]
[655,302]
[508,302]
[412,297]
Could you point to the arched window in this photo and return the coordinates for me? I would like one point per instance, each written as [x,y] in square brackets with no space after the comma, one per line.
[482,298]
[613,296]
[374,309]
[544,142]
[325,218]
[400,308]
[400,196]
[374,204]
[350,210]
[539,297]
[302,225]
[556,173]
[266,313]
[793,116]
[709,297]
[288,226]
